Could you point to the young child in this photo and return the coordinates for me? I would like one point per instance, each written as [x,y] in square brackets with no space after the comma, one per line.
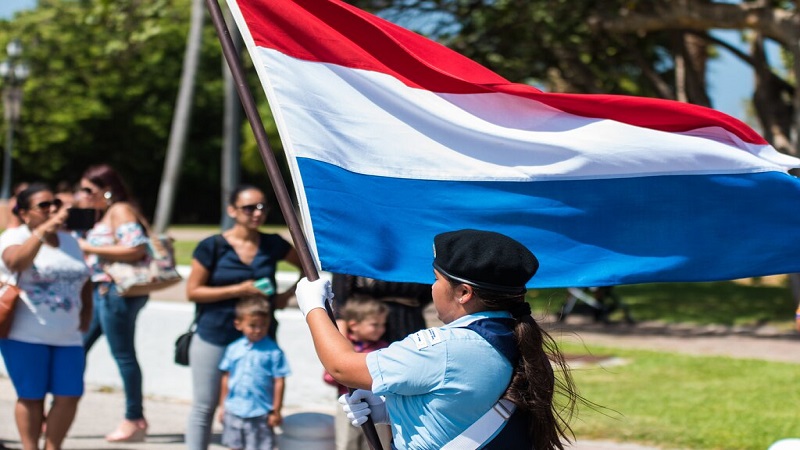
[365,322]
[253,381]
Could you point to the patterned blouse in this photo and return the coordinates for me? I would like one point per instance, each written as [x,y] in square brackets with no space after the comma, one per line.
[129,234]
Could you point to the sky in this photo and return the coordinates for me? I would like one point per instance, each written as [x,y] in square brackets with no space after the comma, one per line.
[8,7]
[730,81]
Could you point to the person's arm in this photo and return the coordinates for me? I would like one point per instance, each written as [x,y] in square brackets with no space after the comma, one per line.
[199,292]
[223,393]
[20,257]
[282,299]
[119,213]
[275,418]
[336,352]
[86,306]
[341,324]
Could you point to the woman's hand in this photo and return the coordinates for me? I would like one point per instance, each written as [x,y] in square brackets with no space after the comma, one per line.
[53,224]
[313,294]
[362,403]
[84,245]
[249,289]
[282,299]
[20,257]
[198,290]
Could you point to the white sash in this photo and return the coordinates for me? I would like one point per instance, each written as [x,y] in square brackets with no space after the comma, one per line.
[484,428]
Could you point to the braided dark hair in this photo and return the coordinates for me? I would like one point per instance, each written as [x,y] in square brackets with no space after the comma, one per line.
[533,381]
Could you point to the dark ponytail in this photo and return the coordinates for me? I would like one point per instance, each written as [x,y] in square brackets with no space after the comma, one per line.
[534,383]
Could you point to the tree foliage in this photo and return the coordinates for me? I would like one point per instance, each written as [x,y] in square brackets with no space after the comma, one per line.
[657,48]
[104,77]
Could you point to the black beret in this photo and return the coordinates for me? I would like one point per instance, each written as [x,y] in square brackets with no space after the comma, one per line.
[484,259]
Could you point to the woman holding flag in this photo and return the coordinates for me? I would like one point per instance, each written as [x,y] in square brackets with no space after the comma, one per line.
[448,401]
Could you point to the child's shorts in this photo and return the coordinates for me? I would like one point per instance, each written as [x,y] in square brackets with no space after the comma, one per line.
[246,434]
[36,369]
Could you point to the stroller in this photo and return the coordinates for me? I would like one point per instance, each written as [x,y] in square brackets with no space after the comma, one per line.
[598,302]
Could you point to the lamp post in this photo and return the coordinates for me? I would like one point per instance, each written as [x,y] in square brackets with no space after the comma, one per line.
[14,72]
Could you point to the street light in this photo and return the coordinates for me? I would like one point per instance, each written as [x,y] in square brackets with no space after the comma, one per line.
[14,73]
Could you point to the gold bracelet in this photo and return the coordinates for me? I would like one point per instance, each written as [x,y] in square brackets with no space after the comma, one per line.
[38,236]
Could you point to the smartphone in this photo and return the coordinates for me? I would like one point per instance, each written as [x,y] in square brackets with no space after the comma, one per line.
[81,219]
[264,285]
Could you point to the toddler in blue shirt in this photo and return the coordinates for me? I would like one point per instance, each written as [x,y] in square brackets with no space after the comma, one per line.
[253,380]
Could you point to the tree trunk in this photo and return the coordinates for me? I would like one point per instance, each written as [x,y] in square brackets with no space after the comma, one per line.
[779,24]
[180,120]
[696,51]
[794,284]
[795,127]
[680,70]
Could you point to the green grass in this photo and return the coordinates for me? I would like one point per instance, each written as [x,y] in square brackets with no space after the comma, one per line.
[723,302]
[678,401]
[183,252]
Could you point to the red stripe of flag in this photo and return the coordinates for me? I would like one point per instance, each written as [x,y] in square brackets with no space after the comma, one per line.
[330,31]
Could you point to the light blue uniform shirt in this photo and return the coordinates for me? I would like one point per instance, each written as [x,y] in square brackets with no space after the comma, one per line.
[439,381]
[252,369]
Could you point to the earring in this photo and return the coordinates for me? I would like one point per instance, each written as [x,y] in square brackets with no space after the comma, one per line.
[107,196]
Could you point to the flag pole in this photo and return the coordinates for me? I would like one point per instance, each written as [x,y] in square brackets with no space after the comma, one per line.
[273,171]
[253,116]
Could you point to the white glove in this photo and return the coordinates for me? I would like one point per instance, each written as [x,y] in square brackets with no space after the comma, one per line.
[313,294]
[362,403]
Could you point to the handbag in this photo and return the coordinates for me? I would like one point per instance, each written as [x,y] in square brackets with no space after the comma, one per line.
[9,297]
[157,270]
[183,343]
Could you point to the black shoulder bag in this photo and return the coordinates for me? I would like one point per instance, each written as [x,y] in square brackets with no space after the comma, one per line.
[184,341]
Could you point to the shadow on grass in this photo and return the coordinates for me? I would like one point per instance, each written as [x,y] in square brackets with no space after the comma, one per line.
[723,303]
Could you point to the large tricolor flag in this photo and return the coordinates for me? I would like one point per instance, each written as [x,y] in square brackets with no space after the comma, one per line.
[393,138]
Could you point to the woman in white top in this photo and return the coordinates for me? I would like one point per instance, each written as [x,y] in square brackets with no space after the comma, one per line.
[44,353]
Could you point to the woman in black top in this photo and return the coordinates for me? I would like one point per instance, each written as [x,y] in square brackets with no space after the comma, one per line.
[225,268]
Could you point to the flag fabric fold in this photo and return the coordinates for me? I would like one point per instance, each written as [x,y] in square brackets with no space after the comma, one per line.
[392,138]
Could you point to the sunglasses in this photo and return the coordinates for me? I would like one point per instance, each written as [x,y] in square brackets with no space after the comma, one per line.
[250,209]
[47,205]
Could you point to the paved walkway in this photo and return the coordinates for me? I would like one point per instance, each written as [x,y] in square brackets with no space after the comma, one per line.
[168,390]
